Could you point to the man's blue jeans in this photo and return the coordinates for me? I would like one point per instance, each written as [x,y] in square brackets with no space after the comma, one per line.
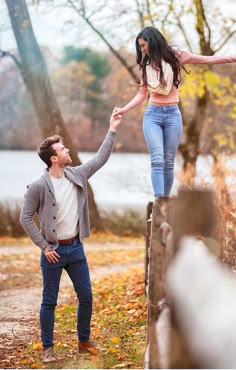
[162,127]
[73,260]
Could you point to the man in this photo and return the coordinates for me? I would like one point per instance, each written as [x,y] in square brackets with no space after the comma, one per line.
[59,198]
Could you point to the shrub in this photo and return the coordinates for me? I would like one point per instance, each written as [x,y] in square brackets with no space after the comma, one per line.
[9,220]
[129,223]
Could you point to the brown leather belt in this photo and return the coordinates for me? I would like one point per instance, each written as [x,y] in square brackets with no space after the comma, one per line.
[68,241]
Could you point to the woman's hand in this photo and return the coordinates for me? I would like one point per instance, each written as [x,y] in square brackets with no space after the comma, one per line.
[117,112]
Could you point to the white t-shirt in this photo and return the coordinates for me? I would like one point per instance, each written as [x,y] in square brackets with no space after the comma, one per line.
[67,208]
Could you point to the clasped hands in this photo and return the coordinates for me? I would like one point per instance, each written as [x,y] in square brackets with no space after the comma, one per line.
[117,112]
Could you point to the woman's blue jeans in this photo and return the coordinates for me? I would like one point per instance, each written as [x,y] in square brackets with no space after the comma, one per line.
[162,127]
[73,260]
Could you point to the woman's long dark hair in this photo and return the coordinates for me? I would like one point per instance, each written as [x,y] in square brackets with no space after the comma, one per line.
[158,50]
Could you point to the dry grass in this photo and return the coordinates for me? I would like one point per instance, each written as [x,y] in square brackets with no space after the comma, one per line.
[225,206]
[129,223]
[9,220]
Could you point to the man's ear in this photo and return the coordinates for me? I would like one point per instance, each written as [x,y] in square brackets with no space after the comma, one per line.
[53,159]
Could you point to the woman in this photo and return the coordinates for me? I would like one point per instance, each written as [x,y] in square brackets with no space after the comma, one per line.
[162,123]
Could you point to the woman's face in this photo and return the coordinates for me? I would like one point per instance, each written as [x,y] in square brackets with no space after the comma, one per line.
[143,46]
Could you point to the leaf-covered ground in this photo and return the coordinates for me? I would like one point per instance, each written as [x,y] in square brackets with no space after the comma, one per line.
[119,314]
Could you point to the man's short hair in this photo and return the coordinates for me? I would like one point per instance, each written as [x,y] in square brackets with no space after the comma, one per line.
[45,149]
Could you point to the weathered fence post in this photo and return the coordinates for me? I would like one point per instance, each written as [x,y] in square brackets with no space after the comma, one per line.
[193,213]
[147,259]
[157,269]
[148,238]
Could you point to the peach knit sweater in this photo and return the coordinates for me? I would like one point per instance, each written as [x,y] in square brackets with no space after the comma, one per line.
[173,97]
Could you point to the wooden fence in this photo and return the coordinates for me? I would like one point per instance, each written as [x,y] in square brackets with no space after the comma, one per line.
[181,258]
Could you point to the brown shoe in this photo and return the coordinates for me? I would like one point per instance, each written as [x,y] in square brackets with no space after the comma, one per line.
[89,347]
[49,355]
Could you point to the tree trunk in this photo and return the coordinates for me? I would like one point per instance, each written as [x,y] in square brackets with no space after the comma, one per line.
[36,78]
[190,150]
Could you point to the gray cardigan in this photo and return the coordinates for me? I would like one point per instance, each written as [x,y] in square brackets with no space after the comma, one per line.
[40,199]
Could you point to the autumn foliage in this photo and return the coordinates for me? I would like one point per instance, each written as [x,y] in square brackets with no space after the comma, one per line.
[119,318]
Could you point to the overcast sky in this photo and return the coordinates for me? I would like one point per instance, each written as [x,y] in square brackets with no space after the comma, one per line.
[50,29]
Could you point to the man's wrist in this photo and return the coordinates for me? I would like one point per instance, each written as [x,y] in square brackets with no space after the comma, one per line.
[113,129]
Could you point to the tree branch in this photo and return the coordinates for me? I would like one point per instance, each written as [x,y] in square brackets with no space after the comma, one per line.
[228,37]
[149,12]
[205,21]
[82,14]
[4,53]
[140,13]
[181,27]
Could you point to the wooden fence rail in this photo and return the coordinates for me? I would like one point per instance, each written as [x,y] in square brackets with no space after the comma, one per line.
[182,231]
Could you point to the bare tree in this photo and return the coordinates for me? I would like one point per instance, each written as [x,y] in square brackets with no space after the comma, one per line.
[35,75]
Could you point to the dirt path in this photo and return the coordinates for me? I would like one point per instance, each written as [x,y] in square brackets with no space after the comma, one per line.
[20,286]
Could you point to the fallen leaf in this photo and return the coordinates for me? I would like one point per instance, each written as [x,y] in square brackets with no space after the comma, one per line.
[112,350]
[115,340]
[37,346]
